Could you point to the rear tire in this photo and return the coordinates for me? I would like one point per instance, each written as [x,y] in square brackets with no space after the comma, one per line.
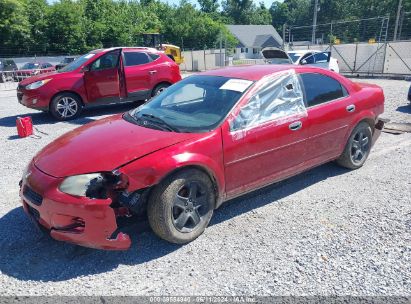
[358,147]
[181,207]
[159,88]
[65,106]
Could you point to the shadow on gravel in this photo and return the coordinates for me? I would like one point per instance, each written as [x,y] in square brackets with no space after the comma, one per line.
[26,254]
[405,109]
[88,115]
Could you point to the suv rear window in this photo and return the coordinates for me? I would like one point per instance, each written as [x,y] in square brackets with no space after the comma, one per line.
[136,58]
[154,56]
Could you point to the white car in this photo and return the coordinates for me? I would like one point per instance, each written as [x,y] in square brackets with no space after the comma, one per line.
[315,58]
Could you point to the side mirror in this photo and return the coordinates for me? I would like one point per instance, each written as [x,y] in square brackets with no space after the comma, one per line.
[85,68]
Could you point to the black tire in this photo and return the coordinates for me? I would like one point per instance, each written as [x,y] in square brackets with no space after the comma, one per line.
[180,208]
[159,88]
[358,147]
[65,106]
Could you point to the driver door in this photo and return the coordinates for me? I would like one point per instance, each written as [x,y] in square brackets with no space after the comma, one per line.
[266,140]
[102,80]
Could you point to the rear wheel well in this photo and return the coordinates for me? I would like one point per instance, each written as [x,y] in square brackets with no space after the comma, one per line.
[71,92]
[369,121]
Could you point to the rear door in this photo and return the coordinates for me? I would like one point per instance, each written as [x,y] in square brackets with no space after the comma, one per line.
[102,80]
[140,74]
[330,112]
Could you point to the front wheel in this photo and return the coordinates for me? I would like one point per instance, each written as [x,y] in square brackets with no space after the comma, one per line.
[65,106]
[357,148]
[181,207]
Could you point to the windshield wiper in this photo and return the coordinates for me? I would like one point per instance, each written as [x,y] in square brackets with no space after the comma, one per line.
[160,121]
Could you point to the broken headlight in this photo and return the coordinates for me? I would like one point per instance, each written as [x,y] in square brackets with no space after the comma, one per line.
[93,185]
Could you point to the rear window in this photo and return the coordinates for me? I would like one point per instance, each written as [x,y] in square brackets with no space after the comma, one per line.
[154,56]
[136,58]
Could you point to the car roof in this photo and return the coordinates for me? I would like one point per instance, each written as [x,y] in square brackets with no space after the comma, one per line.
[301,52]
[251,72]
[137,48]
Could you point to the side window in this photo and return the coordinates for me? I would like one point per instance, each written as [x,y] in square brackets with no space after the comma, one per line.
[153,56]
[277,99]
[45,65]
[107,61]
[307,59]
[320,88]
[321,57]
[135,58]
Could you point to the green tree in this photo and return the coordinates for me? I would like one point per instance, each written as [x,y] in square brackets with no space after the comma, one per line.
[67,31]
[14,27]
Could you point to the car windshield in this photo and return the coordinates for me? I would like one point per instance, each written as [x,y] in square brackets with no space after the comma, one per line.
[294,56]
[196,104]
[30,66]
[77,63]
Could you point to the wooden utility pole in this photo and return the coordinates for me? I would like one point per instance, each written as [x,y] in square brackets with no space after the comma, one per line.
[314,21]
[397,19]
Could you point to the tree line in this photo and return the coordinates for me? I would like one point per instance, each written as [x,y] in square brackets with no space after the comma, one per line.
[30,27]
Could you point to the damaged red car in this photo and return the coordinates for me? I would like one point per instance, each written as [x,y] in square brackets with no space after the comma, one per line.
[206,139]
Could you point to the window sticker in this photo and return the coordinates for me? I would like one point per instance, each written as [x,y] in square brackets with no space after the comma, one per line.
[238,85]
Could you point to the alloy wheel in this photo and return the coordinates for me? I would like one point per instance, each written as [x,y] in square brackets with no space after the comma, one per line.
[189,207]
[360,147]
[67,107]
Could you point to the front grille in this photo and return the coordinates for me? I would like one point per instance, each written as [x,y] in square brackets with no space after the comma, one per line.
[32,196]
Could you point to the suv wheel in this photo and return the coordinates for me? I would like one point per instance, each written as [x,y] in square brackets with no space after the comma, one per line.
[65,106]
[159,88]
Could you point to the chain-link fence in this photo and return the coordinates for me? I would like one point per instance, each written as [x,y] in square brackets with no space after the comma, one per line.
[339,32]
[363,46]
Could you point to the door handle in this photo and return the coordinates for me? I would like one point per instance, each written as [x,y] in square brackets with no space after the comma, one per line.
[295,126]
[350,108]
[152,72]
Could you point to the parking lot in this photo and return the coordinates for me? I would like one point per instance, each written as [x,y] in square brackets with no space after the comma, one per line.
[328,231]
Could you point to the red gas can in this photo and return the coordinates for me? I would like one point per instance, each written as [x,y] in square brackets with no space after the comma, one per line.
[24,126]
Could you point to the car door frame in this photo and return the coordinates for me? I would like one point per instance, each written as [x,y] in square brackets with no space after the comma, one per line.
[137,94]
[316,115]
[233,141]
[102,100]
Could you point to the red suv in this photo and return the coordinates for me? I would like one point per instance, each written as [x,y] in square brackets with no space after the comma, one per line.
[100,77]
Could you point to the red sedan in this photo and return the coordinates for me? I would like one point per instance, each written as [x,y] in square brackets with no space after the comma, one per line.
[30,69]
[208,138]
[101,77]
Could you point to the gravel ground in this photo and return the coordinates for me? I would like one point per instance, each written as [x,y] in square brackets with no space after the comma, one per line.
[327,231]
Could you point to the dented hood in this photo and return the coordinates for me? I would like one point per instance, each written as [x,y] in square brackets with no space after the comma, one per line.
[102,145]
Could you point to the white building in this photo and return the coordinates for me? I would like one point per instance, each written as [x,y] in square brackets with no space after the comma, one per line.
[253,38]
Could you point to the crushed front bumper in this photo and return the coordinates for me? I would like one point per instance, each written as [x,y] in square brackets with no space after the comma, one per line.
[79,220]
